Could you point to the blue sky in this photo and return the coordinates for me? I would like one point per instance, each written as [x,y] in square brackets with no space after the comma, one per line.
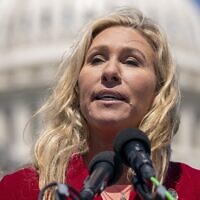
[198,2]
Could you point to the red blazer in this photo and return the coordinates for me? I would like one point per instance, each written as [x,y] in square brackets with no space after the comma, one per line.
[23,184]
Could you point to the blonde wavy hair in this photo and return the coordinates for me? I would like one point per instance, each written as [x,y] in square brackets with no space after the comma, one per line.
[66,130]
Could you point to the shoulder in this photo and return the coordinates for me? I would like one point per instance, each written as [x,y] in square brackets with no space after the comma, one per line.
[23,175]
[184,179]
[19,184]
[183,170]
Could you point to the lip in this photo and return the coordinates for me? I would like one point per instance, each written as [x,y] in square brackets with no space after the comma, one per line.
[109,95]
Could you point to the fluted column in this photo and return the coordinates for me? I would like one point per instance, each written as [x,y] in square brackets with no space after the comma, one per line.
[3,128]
[21,115]
[183,147]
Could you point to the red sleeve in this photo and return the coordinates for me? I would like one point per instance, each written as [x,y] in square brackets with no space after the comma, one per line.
[20,185]
[193,177]
[184,180]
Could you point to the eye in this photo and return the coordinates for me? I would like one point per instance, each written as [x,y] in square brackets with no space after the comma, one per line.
[132,61]
[95,60]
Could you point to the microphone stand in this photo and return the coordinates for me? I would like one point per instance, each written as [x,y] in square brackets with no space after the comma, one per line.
[141,187]
[143,190]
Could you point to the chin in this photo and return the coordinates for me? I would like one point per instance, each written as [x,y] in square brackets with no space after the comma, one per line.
[112,118]
[113,123]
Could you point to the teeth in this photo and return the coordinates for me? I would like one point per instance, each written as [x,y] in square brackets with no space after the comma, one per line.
[107,97]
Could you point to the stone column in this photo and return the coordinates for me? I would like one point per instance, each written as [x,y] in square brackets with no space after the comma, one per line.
[182,149]
[3,131]
[21,147]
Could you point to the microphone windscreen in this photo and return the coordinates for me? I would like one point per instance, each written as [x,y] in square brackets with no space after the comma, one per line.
[130,134]
[111,159]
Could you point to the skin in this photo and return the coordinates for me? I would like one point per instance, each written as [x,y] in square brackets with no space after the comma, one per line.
[117,85]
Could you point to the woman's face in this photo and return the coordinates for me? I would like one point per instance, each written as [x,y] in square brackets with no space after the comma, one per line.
[117,81]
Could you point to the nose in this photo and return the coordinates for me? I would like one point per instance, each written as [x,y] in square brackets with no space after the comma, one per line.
[111,74]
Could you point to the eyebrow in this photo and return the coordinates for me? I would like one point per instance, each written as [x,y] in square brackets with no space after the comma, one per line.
[124,49]
[97,48]
[134,50]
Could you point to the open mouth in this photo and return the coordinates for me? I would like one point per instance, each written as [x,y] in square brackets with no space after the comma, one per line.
[110,96]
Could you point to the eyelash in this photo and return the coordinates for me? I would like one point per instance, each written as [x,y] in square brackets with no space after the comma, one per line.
[132,62]
[97,60]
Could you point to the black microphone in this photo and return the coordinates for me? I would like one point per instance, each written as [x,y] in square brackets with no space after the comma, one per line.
[133,146]
[105,169]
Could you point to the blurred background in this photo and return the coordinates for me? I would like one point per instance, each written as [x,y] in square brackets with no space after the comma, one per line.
[36,34]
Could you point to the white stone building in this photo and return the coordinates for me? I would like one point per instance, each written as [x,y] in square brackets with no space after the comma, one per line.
[34,36]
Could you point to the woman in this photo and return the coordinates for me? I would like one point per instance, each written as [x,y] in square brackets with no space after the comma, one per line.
[120,74]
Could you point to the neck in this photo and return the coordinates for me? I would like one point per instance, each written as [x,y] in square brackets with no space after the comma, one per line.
[99,142]
[117,192]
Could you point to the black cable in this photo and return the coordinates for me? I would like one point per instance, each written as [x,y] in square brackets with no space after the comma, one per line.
[61,193]
[141,187]
[43,190]
[76,195]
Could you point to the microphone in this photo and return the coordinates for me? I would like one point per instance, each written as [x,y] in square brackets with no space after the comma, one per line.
[133,146]
[105,169]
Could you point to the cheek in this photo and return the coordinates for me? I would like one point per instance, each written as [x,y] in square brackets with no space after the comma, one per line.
[86,81]
[145,87]
[84,85]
